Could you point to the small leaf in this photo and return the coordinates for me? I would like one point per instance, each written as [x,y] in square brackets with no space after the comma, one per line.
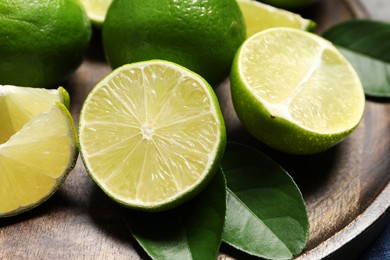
[366,44]
[265,212]
[191,231]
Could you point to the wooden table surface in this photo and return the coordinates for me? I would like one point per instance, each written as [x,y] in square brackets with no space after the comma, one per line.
[346,188]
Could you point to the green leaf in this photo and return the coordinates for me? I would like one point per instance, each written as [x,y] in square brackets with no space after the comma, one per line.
[191,231]
[265,212]
[366,44]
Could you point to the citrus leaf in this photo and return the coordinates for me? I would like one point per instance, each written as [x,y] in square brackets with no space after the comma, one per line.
[265,212]
[366,44]
[190,231]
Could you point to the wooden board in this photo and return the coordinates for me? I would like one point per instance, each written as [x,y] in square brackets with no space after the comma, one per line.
[346,189]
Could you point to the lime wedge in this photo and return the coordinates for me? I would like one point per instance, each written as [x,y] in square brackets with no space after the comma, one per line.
[259,16]
[19,104]
[96,10]
[295,91]
[151,134]
[35,157]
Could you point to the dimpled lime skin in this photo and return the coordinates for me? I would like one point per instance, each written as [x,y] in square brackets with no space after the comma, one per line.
[42,42]
[276,132]
[202,36]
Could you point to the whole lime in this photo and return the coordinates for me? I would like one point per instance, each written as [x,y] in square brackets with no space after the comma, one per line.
[96,10]
[202,36]
[41,42]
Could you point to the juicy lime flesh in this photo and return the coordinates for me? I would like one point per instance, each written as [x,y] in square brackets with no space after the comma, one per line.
[96,9]
[260,16]
[149,133]
[34,159]
[19,104]
[309,83]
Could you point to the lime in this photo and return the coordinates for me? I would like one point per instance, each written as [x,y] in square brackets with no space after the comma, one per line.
[151,134]
[35,157]
[259,16]
[96,10]
[42,42]
[202,36]
[294,91]
[20,104]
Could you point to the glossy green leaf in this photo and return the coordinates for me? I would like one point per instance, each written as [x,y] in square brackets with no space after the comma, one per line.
[191,231]
[366,44]
[265,212]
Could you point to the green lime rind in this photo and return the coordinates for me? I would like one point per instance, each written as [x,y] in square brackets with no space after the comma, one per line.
[310,26]
[72,127]
[185,195]
[64,97]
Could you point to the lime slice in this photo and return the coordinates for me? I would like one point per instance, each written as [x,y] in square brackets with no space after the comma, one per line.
[151,134]
[259,16]
[96,10]
[36,158]
[295,91]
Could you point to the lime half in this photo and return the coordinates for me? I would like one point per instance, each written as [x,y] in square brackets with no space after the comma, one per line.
[151,134]
[294,91]
[259,16]
[37,149]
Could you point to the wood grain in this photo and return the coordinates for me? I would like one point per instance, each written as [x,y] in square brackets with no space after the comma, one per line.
[346,188]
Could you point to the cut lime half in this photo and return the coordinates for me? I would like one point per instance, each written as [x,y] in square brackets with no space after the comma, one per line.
[295,91]
[151,134]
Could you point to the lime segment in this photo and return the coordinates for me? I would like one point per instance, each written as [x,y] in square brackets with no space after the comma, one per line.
[19,104]
[96,10]
[151,134]
[35,160]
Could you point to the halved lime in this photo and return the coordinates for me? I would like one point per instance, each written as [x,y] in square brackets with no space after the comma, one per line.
[295,91]
[259,16]
[151,134]
[37,155]
[96,10]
